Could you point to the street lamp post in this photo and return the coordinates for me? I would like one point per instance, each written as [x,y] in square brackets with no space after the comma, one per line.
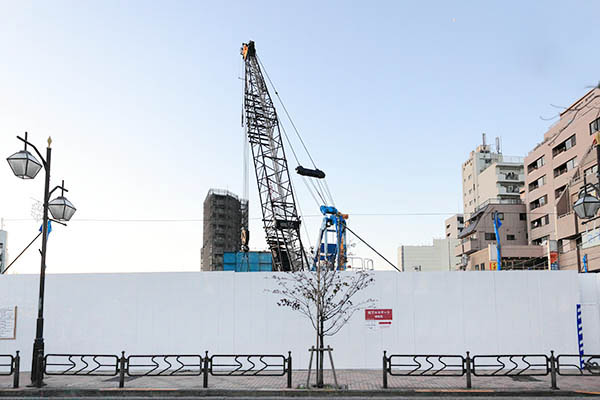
[25,166]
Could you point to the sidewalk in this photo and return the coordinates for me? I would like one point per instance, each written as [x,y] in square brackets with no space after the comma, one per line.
[354,382]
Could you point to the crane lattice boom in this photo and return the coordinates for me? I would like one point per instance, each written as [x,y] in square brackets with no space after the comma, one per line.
[280,216]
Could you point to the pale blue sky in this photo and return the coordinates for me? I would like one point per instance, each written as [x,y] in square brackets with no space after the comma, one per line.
[143,102]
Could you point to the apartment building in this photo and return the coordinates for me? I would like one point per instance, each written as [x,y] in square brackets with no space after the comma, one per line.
[488,175]
[477,247]
[454,226]
[552,165]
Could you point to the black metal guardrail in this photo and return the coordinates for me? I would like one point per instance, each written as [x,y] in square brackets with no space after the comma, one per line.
[511,365]
[81,364]
[249,365]
[489,365]
[11,365]
[575,364]
[424,365]
[138,365]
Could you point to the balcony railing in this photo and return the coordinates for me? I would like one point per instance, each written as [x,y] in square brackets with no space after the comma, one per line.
[512,159]
[467,246]
[498,201]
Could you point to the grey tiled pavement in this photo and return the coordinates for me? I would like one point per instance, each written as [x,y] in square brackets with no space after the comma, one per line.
[350,379]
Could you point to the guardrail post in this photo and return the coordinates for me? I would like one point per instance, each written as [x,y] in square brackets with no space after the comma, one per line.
[289,370]
[16,370]
[553,370]
[122,370]
[468,368]
[385,383]
[205,374]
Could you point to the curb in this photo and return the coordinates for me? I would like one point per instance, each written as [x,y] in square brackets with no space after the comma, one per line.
[166,392]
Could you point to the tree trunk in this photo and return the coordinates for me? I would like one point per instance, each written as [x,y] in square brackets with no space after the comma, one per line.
[321,355]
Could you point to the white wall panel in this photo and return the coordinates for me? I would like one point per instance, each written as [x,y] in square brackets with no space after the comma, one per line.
[225,312]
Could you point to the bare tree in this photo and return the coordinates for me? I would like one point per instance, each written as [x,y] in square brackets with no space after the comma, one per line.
[324,297]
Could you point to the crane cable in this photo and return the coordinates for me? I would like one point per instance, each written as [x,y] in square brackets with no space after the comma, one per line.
[289,117]
[286,111]
[371,247]
[298,162]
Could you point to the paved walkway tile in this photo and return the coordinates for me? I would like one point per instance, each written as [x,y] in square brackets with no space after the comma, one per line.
[349,379]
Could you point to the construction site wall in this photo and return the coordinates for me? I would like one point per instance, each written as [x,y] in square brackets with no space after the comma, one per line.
[228,312]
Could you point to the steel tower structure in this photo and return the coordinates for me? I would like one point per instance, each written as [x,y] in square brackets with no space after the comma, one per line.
[280,215]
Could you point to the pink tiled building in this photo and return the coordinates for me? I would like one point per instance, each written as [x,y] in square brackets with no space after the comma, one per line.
[553,177]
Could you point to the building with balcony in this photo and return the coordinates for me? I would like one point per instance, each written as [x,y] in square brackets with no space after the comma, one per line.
[477,245]
[222,227]
[490,175]
[578,241]
[555,165]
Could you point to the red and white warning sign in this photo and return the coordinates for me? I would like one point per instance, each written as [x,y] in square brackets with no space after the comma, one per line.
[378,317]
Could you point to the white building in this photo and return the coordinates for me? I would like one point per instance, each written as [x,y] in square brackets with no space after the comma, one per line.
[490,175]
[438,257]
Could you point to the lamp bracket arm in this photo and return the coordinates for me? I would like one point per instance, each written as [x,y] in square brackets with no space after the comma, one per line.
[27,142]
[58,222]
[56,187]
[589,186]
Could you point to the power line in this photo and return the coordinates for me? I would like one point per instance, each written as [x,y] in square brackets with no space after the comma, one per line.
[382,214]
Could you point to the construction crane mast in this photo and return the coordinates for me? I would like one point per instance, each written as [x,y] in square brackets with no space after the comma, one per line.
[280,215]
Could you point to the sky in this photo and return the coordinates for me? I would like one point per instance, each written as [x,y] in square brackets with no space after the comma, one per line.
[143,102]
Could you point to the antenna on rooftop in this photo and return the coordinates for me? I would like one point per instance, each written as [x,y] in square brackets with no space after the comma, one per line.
[483,138]
[498,147]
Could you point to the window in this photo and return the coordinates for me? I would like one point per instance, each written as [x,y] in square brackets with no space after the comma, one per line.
[563,168]
[482,267]
[559,191]
[595,126]
[460,220]
[536,223]
[591,170]
[541,181]
[511,176]
[510,237]
[564,146]
[535,165]
[477,267]
[538,203]
[500,216]
[522,217]
[490,236]
[511,188]
[540,241]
